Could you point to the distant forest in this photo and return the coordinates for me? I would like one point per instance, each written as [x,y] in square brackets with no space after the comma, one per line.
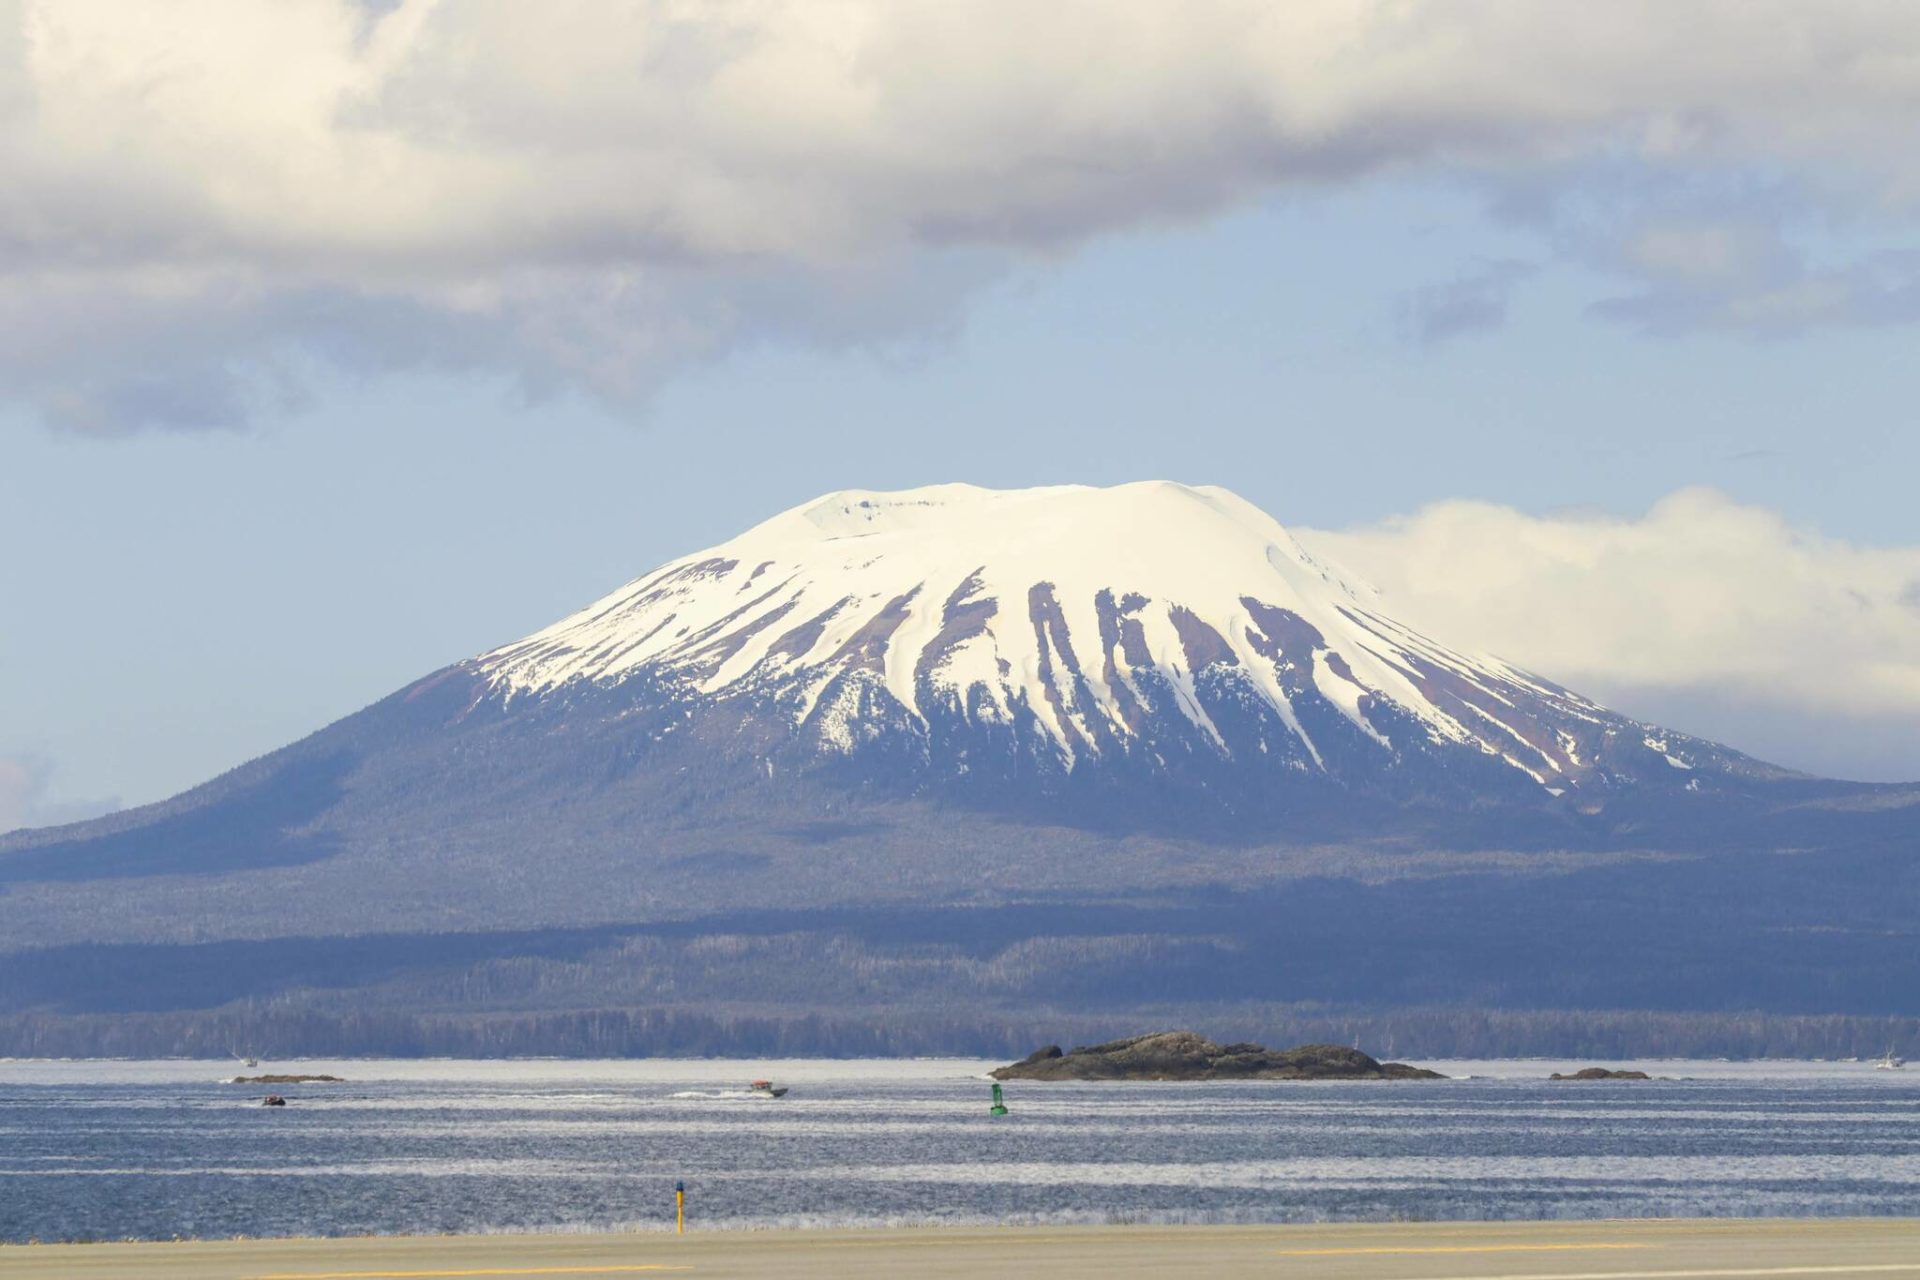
[280,1033]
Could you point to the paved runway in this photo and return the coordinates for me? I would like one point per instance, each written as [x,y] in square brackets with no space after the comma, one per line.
[1630,1250]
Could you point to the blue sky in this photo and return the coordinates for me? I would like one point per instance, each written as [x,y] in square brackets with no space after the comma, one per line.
[238,507]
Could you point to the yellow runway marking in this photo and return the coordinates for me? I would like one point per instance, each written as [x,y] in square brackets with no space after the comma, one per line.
[483,1271]
[1452,1248]
[1844,1269]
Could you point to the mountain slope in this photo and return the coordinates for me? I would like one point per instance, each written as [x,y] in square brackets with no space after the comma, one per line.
[1088,748]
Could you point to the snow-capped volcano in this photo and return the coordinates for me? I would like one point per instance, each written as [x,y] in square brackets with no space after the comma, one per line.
[1071,625]
[889,756]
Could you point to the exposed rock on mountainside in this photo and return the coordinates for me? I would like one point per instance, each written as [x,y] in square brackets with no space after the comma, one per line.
[1183,1055]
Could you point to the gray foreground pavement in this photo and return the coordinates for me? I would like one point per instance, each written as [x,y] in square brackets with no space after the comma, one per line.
[1622,1250]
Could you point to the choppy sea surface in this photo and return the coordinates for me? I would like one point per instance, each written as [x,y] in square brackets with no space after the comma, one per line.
[152,1150]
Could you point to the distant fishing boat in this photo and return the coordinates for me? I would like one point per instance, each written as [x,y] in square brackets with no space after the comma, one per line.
[1890,1062]
[767,1088]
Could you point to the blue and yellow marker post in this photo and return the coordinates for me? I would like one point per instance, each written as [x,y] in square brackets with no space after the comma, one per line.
[680,1208]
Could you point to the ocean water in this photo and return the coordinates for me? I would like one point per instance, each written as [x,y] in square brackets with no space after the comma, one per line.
[152,1150]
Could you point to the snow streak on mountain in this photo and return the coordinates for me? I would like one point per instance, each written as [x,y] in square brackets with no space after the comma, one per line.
[1074,625]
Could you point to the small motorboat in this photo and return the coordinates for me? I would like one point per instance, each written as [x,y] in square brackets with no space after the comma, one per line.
[768,1089]
[273,1100]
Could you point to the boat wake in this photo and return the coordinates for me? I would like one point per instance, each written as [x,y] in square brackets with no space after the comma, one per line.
[726,1095]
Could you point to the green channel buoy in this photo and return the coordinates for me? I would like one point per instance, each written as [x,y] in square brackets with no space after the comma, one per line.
[999,1107]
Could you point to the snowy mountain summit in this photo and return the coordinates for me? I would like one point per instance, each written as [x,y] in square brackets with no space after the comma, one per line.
[1057,631]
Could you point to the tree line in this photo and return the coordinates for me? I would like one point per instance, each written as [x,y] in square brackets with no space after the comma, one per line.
[674,1031]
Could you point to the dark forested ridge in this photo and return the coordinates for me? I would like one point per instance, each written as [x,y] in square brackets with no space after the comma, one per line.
[1676,956]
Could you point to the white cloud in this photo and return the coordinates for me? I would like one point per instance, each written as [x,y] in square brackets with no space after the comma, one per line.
[203,197]
[1721,617]
[23,796]
[14,787]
